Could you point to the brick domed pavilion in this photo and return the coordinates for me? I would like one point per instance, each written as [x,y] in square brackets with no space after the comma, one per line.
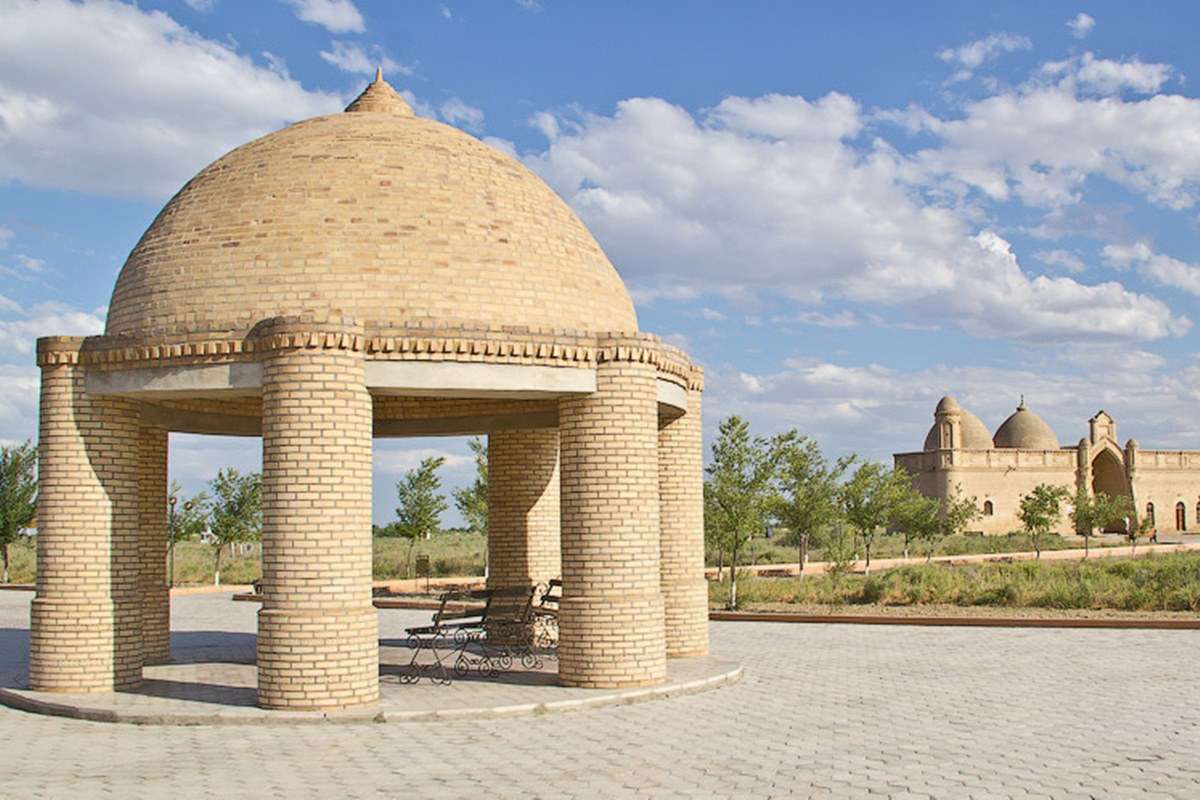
[358,275]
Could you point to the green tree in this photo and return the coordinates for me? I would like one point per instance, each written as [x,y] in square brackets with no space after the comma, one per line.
[1097,511]
[806,486]
[421,504]
[957,514]
[1144,527]
[918,518]
[1041,510]
[235,513]
[472,501]
[186,519]
[18,494]
[870,499]
[739,483]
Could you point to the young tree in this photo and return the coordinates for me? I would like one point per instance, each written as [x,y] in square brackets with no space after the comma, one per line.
[235,514]
[472,501]
[186,520]
[739,482]
[870,499]
[1041,510]
[18,494]
[806,490]
[957,513]
[1097,511]
[1137,529]
[421,504]
[919,518]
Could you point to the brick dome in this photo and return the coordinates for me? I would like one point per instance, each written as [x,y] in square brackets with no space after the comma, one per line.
[374,214]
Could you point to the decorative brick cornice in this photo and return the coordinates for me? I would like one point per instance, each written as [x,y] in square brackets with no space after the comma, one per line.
[526,346]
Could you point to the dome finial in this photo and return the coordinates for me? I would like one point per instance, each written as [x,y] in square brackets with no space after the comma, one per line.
[379,96]
[1021,405]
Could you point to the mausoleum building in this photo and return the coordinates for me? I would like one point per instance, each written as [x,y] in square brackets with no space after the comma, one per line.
[961,456]
[359,275]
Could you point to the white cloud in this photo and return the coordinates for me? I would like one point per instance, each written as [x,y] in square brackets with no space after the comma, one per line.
[336,16]
[352,57]
[1081,25]
[5,235]
[29,263]
[203,6]
[393,458]
[18,402]
[772,195]
[1042,142]
[458,113]
[1102,76]
[842,319]
[1061,258]
[141,104]
[969,57]
[45,319]
[877,410]
[447,13]
[1161,269]
[711,314]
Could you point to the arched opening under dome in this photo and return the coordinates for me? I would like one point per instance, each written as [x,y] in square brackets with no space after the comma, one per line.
[1108,476]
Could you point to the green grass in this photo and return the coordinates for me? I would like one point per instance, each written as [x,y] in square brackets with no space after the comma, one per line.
[766,551]
[450,554]
[1169,582]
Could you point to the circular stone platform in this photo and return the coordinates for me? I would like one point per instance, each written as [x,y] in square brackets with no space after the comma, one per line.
[220,690]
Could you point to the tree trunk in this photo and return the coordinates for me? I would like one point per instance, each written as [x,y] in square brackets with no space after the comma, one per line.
[867,551]
[733,578]
[720,563]
[1087,540]
[412,544]
[217,566]
[4,550]
[803,555]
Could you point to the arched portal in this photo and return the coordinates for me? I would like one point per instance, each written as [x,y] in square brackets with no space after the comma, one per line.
[1180,516]
[1108,476]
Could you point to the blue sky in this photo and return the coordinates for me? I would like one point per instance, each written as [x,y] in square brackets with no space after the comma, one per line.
[843,210]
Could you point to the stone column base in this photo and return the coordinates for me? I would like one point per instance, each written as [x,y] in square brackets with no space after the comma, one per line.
[314,659]
[611,646]
[73,646]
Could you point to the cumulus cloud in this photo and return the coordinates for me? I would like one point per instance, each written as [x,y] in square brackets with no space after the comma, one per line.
[19,334]
[140,105]
[18,402]
[1104,76]
[354,58]
[877,410]
[457,112]
[1061,258]
[1081,25]
[1161,269]
[336,16]
[777,194]
[972,55]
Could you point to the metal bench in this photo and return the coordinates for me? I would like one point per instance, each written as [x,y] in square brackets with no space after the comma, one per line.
[488,637]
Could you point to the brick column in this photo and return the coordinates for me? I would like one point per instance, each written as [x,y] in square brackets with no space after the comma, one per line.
[318,641]
[611,618]
[681,512]
[152,572]
[523,508]
[85,621]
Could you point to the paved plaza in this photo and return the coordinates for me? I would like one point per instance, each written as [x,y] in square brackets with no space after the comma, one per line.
[822,711]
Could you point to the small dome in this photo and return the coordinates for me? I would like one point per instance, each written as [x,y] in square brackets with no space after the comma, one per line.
[1132,444]
[375,214]
[974,433]
[1025,430]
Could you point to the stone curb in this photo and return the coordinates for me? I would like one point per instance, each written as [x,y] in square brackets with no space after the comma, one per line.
[964,622]
[257,716]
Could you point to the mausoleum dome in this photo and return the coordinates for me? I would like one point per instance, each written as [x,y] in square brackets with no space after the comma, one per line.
[1025,430]
[374,214]
[974,433]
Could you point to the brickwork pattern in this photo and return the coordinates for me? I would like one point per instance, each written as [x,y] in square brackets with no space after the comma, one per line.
[523,508]
[375,215]
[152,547]
[681,520]
[85,621]
[317,630]
[611,618]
